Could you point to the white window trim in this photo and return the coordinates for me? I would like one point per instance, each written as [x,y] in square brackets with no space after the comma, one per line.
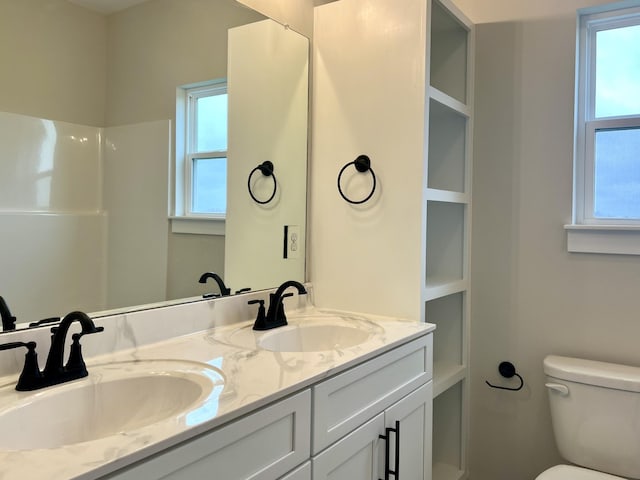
[197,226]
[587,234]
[610,239]
[183,219]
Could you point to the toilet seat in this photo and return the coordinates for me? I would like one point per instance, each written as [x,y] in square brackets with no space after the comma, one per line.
[569,472]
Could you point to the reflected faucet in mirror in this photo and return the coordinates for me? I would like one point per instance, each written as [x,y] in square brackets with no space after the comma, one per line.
[55,372]
[8,320]
[224,290]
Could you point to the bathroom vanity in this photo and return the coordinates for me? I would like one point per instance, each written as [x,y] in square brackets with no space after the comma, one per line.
[332,395]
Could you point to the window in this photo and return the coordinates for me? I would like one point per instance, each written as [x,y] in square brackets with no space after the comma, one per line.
[206,151]
[201,159]
[607,151]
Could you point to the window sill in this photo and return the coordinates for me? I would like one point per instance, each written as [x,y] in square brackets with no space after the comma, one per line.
[609,239]
[198,226]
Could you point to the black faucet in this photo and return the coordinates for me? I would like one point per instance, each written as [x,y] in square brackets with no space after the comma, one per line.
[75,368]
[275,316]
[224,291]
[54,371]
[8,320]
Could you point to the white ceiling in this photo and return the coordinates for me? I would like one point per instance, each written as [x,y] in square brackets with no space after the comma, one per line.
[106,6]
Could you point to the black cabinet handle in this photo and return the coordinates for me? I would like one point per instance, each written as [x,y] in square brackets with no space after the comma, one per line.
[387,437]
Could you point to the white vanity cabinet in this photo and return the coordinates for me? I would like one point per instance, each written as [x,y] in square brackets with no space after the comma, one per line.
[367,401]
[337,439]
[361,454]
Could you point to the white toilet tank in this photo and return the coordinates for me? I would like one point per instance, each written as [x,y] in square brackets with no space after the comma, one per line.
[595,410]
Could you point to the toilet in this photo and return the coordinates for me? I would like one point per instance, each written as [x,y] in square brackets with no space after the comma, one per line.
[595,411]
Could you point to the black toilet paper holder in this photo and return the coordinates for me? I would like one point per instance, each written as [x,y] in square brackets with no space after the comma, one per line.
[507,370]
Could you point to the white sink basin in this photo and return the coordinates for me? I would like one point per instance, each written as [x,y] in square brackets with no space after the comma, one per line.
[305,333]
[115,398]
[312,338]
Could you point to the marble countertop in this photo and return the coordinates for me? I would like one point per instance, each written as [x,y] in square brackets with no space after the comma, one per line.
[253,377]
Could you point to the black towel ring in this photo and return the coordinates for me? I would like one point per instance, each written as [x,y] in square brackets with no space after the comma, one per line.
[266,168]
[362,164]
[507,370]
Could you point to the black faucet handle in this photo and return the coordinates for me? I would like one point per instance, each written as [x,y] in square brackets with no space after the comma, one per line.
[281,318]
[31,375]
[280,305]
[273,296]
[243,290]
[76,362]
[261,318]
[283,296]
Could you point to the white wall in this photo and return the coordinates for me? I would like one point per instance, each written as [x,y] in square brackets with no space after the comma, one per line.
[268,106]
[531,298]
[136,196]
[368,98]
[53,57]
[157,46]
[491,11]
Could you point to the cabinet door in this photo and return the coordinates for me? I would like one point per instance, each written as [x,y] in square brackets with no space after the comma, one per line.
[414,414]
[347,400]
[301,473]
[261,446]
[355,457]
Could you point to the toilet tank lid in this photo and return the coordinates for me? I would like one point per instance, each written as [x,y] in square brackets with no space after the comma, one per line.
[608,375]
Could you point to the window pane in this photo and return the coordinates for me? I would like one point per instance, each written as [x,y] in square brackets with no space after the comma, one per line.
[209,185]
[211,121]
[617,174]
[618,72]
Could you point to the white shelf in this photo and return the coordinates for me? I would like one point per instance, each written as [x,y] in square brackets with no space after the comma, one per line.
[447,241]
[446,234]
[449,52]
[446,375]
[448,134]
[442,287]
[449,357]
[449,429]
[436,195]
[449,102]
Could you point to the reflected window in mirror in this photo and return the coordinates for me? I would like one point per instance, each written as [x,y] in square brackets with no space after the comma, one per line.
[206,152]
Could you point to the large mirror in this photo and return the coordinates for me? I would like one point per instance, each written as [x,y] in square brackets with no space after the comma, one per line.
[92,152]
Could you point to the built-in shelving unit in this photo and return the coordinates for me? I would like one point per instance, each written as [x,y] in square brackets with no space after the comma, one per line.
[449,434]
[449,112]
